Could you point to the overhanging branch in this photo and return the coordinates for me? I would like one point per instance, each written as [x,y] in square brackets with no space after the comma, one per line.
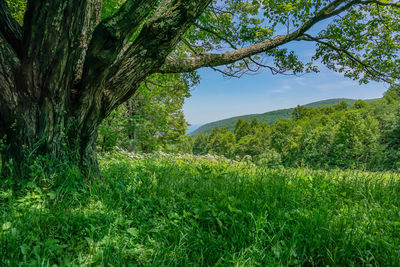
[176,65]
[246,61]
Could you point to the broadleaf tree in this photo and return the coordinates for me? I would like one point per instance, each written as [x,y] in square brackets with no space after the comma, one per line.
[69,64]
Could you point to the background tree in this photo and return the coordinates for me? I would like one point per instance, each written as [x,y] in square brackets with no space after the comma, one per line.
[255,126]
[222,142]
[318,146]
[66,69]
[301,112]
[387,112]
[153,118]
[356,139]
[184,144]
[112,130]
[285,139]
[391,139]
[341,106]
[249,145]
[155,112]
[242,128]
[200,144]
[360,104]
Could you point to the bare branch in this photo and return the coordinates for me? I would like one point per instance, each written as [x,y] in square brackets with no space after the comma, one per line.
[10,28]
[176,65]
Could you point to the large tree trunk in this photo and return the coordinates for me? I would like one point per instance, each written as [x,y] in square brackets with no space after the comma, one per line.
[63,72]
[40,68]
[45,126]
[44,130]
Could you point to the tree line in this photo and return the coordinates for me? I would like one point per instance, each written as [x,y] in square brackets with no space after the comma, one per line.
[362,136]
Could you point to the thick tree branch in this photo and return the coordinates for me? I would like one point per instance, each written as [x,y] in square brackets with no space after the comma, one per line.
[157,39]
[176,65]
[259,65]
[10,29]
[112,34]
[109,40]
[56,35]
[137,60]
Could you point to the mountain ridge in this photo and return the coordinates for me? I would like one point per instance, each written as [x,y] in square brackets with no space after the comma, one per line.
[270,116]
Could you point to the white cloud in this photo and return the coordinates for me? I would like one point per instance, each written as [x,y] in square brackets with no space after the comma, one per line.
[335,85]
[301,81]
[282,89]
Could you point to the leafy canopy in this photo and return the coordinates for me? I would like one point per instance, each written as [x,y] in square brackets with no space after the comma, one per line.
[361,39]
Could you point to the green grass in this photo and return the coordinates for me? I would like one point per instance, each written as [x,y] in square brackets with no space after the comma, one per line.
[165,210]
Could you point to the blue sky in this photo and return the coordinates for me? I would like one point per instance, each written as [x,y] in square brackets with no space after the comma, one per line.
[218,98]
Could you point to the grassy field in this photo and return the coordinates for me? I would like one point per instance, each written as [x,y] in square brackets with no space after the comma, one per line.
[164,210]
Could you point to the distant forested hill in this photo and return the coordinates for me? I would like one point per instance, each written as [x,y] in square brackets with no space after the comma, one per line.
[270,117]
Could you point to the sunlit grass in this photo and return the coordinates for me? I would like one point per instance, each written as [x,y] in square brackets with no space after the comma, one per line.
[184,210]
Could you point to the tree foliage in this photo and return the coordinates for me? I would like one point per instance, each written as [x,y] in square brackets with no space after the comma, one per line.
[152,119]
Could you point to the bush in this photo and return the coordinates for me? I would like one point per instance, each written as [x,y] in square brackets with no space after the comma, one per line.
[270,159]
